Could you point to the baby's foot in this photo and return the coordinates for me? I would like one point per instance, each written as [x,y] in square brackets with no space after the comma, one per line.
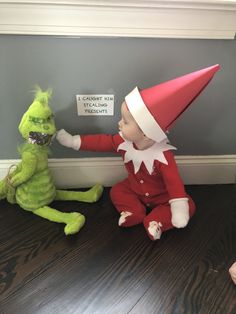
[128,219]
[123,217]
[154,230]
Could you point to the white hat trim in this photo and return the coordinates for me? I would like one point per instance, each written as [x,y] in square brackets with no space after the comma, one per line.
[143,117]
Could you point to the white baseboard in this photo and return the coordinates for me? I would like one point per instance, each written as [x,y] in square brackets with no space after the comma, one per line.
[84,172]
[120,18]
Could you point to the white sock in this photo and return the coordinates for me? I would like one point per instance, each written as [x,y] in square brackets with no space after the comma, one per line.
[154,229]
[123,216]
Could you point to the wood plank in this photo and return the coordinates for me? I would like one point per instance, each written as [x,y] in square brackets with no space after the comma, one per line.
[196,280]
[107,269]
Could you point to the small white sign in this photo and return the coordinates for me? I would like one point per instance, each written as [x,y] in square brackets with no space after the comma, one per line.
[95,105]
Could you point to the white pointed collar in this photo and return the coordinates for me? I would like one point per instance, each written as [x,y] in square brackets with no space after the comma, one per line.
[147,156]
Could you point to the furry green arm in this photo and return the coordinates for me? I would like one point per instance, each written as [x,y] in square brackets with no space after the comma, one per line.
[28,167]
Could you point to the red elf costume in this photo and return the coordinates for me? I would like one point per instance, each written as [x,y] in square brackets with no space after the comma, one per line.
[153,179]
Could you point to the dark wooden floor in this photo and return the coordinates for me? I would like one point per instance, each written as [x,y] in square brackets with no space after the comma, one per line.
[106,269]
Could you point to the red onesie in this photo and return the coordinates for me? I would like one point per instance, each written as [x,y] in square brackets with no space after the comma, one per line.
[145,187]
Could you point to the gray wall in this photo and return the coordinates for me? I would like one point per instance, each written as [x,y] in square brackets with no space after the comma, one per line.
[104,65]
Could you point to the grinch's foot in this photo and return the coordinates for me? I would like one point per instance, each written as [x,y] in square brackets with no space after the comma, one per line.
[89,196]
[3,189]
[93,194]
[74,224]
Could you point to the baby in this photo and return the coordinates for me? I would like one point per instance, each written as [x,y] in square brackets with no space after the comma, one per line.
[153,192]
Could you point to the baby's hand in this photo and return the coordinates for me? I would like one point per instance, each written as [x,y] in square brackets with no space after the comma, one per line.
[68,140]
[64,138]
[232,272]
[180,212]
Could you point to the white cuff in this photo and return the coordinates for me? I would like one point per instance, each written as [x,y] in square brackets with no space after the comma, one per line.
[76,142]
[173,200]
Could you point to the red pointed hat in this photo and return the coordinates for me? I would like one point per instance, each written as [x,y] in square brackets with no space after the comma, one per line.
[156,108]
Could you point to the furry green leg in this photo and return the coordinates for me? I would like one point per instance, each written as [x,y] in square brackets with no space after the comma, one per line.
[74,221]
[7,191]
[3,189]
[89,196]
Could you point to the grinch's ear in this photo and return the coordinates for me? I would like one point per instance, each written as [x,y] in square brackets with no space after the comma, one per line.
[38,91]
[49,92]
[42,97]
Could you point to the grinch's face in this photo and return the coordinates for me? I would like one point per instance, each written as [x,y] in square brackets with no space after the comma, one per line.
[42,130]
[38,130]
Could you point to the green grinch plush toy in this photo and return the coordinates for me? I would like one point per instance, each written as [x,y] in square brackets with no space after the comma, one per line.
[30,183]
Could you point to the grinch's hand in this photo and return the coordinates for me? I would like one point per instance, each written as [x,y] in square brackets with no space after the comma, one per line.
[67,140]
[15,181]
[180,212]
[27,170]
[11,192]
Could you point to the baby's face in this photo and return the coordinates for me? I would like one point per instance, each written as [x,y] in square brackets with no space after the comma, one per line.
[128,126]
